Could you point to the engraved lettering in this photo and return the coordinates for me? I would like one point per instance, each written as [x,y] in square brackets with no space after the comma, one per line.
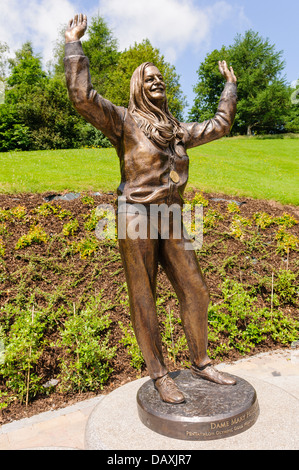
[199,434]
[220,425]
[237,420]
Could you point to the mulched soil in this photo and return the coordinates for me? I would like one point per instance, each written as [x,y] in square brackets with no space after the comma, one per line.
[104,272]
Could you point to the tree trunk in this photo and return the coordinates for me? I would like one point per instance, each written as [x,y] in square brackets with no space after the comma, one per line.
[250,126]
[249,130]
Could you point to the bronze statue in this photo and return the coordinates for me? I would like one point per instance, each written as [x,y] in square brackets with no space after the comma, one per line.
[151,145]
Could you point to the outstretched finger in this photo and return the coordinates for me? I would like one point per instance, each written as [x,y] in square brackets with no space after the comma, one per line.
[233,73]
[70,23]
[75,20]
[225,67]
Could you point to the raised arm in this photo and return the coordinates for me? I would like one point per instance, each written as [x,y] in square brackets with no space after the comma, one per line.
[101,113]
[221,123]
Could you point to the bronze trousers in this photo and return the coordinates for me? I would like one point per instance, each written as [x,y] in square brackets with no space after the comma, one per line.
[140,259]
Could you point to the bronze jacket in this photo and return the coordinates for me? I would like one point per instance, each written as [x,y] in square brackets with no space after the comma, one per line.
[145,167]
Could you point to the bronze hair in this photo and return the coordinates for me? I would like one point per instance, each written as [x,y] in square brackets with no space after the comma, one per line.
[157,124]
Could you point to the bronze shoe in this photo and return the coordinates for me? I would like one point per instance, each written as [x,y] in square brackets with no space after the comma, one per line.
[168,390]
[213,375]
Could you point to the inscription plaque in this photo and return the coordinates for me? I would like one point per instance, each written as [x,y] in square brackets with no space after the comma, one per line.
[209,412]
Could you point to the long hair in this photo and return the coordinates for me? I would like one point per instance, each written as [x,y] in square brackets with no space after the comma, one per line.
[157,124]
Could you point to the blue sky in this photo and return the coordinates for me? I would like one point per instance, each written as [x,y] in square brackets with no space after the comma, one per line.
[184,30]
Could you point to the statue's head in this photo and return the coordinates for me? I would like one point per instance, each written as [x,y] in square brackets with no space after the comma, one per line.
[147,89]
[148,105]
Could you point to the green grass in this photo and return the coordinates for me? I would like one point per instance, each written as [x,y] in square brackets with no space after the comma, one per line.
[254,167]
[59,170]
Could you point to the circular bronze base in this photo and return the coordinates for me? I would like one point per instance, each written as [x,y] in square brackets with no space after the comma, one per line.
[211,411]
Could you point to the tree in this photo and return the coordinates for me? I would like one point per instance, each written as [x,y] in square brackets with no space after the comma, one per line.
[26,68]
[209,86]
[101,48]
[119,78]
[37,113]
[26,72]
[4,49]
[292,120]
[262,91]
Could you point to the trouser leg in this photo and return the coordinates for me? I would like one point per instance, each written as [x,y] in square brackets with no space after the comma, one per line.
[183,271]
[140,261]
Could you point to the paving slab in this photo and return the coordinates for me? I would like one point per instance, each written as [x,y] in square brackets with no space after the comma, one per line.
[61,429]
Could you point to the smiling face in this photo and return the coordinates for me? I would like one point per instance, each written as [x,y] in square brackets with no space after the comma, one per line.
[154,86]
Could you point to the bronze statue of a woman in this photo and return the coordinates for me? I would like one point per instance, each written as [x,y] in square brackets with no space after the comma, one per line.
[151,145]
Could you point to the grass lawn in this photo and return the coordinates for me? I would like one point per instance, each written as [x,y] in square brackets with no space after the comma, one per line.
[258,168]
[254,167]
[59,170]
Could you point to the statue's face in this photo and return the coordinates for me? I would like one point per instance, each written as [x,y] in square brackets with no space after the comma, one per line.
[154,86]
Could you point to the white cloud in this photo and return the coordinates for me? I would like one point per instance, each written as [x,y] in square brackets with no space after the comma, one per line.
[172,25]
[176,27]
[37,21]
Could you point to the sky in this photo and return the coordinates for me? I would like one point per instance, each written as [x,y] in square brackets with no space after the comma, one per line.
[184,31]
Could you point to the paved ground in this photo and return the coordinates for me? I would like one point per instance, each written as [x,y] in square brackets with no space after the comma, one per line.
[277,376]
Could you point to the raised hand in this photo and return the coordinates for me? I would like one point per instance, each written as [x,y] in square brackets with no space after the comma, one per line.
[228,73]
[76,28]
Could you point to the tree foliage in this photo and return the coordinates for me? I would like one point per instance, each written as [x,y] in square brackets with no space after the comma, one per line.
[4,49]
[209,86]
[262,91]
[101,48]
[119,80]
[292,120]
[37,113]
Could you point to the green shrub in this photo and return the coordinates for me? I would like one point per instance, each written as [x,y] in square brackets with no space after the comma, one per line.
[199,199]
[86,246]
[48,209]
[2,248]
[36,234]
[286,220]
[263,220]
[237,323]
[23,348]
[130,342]
[211,219]
[285,286]
[70,228]
[92,220]
[233,207]
[18,212]
[170,326]
[236,229]
[286,241]
[85,339]
[4,215]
